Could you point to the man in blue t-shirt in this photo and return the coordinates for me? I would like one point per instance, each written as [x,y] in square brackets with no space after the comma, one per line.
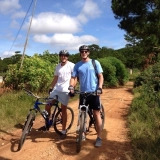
[89,82]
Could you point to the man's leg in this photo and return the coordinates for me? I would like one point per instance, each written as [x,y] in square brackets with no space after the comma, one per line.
[64,121]
[98,122]
[46,127]
[64,116]
[98,127]
[48,109]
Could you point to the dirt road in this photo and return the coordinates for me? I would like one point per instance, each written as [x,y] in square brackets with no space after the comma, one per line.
[48,146]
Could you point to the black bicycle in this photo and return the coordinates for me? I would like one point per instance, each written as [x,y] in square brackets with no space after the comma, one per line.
[55,121]
[84,113]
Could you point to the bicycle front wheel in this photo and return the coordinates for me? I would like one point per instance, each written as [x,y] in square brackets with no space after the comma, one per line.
[81,130]
[58,120]
[26,129]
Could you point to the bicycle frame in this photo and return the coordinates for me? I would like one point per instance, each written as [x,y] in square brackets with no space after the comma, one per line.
[36,107]
[83,108]
[55,121]
[84,112]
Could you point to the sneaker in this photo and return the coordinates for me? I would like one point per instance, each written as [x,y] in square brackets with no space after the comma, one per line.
[83,138]
[63,136]
[98,142]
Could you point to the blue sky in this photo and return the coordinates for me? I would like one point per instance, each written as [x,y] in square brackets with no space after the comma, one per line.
[57,25]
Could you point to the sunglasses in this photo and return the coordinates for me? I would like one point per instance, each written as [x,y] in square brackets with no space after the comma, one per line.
[83,51]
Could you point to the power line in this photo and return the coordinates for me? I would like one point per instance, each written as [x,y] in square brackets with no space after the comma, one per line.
[21,26]
[23,55]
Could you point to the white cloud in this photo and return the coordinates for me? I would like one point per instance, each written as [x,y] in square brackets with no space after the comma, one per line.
[65,39]
[8,6]
[89,10]
[49,22]
[7,54]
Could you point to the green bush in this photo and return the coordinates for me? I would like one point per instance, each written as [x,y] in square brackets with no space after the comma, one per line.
[36,74]
[144,117]
[114,71]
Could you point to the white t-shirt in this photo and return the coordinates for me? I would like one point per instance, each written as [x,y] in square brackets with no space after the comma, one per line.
[64,76]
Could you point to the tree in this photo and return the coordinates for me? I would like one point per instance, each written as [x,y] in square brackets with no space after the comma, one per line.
[141,18]
[53,58]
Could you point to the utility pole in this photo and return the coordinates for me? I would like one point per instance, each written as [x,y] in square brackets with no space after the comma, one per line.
[25,45]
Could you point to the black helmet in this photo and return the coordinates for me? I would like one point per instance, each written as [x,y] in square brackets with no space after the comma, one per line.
[84,47]
[64,52]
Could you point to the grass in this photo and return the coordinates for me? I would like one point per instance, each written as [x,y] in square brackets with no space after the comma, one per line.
[144,124]
[14,107]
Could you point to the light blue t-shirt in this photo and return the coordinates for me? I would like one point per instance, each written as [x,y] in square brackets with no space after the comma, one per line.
[86,73]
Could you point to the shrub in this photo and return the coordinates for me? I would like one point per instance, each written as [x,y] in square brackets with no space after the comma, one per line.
[144,119]
[114,71]
[36,74]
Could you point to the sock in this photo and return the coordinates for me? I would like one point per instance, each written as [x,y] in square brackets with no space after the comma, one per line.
[63,132]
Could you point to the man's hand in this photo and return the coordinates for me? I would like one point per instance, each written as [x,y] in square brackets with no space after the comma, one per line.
[99,91]
[71,88]
[71,94]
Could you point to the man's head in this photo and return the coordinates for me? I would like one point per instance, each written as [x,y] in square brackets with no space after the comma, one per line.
[63,54]
[84,51]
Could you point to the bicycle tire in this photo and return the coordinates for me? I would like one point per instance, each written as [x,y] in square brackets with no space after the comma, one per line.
[58,120]
[26,130]
[81,130]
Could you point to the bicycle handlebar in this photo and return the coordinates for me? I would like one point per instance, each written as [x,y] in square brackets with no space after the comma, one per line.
[45,98]
[85,93]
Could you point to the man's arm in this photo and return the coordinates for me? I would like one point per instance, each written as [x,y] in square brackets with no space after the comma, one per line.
[54,82]
[101,80]
[73,81]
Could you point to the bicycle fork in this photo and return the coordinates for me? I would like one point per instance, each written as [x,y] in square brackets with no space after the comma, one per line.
[33,119]
[82,108]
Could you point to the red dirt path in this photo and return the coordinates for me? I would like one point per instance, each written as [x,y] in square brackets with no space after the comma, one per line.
[48,146]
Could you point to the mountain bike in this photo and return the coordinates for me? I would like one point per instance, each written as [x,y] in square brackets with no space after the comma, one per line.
[84,113]
[56,117]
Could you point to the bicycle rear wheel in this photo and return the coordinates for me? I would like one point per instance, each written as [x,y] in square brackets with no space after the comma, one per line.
[81,130]
[58,120]
[26,129]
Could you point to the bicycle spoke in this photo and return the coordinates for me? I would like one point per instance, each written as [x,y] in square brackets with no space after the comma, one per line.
[81,130]
[58,120]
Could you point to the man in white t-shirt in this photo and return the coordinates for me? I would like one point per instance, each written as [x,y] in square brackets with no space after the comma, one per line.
[59,86]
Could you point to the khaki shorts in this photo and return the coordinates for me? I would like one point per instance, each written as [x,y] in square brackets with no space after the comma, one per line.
[63,97]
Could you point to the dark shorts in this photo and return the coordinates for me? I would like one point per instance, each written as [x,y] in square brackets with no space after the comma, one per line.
[93,102]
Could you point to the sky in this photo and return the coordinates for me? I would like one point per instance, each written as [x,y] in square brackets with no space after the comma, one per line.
[54,25]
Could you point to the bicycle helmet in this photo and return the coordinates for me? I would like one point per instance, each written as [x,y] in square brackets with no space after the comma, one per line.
[84,47]
[64,52]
